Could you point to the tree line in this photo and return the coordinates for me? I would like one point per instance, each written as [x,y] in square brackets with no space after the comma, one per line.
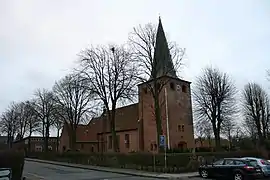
[105,76]
[221,109]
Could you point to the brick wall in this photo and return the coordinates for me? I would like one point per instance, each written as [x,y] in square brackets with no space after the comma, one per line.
[179,114]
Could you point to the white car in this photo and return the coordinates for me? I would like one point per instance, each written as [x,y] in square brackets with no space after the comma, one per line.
[264,164]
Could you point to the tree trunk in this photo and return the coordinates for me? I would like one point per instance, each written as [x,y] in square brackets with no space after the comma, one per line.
[57,145]
[9,140]
[72,140]
[29,140]
[29,137]
[158,122]
[114,137]
[47,135]
[43,135]
[209,141]
[217,139]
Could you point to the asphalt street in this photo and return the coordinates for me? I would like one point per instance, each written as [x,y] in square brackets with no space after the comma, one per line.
[43,171]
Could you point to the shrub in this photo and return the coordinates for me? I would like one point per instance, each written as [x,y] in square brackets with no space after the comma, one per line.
[13,160]
[176,162]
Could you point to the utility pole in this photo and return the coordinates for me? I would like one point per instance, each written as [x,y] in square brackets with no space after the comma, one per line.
[167,118]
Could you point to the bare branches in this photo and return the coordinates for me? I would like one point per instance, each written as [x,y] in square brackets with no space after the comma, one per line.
[256,109]
[73,102]
[33,121]
[214,99]
[44,106]
[111,74]
[143,44]
[9,124]
[18,120]
[21,118]
[204,128]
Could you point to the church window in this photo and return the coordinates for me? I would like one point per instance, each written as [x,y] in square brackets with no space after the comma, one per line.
[184,88]
[172,86]
[152,147]
[155,147]
[127,140]
[183,128]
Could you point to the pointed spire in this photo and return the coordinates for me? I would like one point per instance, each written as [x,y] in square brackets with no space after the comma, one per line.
[163,64]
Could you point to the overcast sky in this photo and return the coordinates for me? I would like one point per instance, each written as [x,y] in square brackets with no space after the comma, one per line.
[39,40]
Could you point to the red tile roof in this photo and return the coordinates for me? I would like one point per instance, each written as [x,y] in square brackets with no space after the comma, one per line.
[126,119]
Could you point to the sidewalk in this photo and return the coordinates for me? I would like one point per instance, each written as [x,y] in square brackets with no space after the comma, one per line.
[131,172]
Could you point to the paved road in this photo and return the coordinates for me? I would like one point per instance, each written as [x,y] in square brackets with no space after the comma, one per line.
[42,171]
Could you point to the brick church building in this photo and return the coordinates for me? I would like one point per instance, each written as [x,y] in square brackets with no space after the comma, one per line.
[135,124]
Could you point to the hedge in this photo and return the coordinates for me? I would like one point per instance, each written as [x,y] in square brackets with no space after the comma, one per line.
[178,162]
[14,160]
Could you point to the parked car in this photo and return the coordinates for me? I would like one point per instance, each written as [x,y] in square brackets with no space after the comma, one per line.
[231,168]
[264,164]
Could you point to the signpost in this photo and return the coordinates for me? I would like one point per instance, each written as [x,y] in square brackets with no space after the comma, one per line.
[162,143]
[5,174]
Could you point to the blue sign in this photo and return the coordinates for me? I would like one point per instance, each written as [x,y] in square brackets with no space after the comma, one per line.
[162,141]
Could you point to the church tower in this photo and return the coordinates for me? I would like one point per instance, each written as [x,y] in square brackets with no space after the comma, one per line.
[174,99]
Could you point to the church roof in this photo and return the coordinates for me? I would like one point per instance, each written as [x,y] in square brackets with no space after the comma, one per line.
[126,119]
[162,65]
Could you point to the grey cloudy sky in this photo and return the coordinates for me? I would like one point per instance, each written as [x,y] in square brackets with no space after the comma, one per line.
[39,39]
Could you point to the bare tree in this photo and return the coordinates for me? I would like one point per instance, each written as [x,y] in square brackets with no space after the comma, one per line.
[204,128]
[150,47]
[256,109]
[8,124]
[33,121]
[111,74]
[44,105]
[21,118]
[59,116]
[228,128]
[74,100]
[214,99]
[250,129]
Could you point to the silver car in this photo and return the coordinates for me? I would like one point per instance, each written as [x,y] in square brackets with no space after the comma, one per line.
[264,164]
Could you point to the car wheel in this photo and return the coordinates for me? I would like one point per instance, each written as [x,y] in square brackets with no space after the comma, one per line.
[204,174]
[238,176]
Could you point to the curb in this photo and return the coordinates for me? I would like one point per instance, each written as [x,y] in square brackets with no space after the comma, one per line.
[159,176]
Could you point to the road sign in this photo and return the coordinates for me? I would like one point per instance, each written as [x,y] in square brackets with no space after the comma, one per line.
[162,141]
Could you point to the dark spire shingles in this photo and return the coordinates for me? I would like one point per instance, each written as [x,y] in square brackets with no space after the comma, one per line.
[163,64]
